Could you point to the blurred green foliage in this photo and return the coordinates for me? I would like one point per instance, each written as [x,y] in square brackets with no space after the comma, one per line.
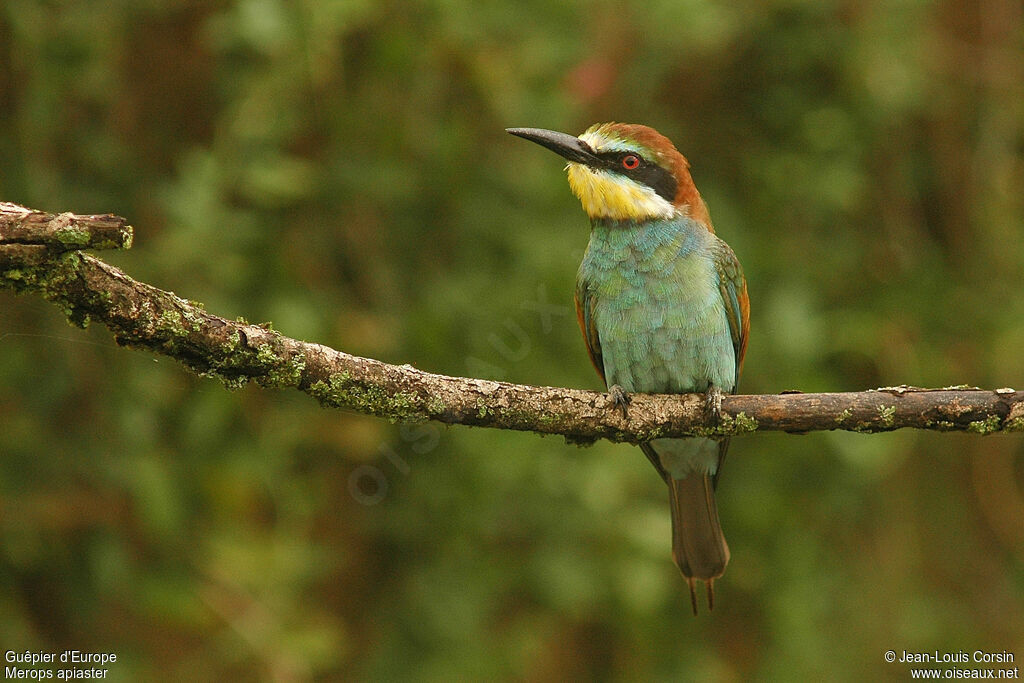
[339,167]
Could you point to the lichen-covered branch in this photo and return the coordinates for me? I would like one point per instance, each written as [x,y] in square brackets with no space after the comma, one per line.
[32,236]
[142,316]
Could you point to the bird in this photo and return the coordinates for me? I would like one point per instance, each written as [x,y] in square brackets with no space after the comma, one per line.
[662,303]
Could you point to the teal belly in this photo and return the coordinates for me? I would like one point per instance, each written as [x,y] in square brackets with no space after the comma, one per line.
[661,324]
[667,337]
[666,359]
[681,350]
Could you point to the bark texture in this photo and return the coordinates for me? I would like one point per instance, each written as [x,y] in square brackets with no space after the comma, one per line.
[40,254]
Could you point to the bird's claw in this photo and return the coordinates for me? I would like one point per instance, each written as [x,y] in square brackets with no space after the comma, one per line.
[619,398]
[713,405]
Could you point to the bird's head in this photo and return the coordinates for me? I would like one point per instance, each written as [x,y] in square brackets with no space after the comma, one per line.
[625,172]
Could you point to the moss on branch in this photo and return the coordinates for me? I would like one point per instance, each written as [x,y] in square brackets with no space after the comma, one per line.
[36,260]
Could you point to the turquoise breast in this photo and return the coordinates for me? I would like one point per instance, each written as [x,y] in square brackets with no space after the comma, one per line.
[657,308]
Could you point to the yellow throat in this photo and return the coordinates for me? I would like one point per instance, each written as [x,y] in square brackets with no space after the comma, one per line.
[610,195]
[616,197]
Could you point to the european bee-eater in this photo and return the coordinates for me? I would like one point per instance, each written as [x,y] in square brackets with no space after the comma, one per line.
[662,303]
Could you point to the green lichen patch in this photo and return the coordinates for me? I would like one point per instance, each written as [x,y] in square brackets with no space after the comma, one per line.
[1015,424]
[342,391]
[744,424]
[886,421]
[267,362]
[512,417]
[72,237]
[990,424]
[436,406]
[546,419]
[234,342]
[642,435]
[230,382]
[76,316]
[842,417]
[729,425]
[887,416]
[321,391]
[282,375]
[172,322]
[53,280]
[266,354]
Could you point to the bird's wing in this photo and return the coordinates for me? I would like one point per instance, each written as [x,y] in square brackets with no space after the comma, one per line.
[733,287]
[585,316]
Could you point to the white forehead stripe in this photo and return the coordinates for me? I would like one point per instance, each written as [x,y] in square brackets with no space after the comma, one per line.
[600,143]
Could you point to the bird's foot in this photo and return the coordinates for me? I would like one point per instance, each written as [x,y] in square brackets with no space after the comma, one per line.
[713,405]
[619,398]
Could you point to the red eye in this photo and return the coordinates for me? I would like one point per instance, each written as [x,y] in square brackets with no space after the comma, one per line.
[630,162]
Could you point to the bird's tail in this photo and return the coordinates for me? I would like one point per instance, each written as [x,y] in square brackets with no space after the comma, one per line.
[698,546]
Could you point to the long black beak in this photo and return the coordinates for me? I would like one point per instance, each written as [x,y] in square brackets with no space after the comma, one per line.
[570,147]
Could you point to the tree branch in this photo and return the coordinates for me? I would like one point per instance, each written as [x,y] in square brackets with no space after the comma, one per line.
[38,254]
[31,237]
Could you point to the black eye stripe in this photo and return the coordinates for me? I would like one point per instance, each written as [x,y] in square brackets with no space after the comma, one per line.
[650,174]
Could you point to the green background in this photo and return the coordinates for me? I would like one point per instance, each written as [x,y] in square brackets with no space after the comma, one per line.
[339,167]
